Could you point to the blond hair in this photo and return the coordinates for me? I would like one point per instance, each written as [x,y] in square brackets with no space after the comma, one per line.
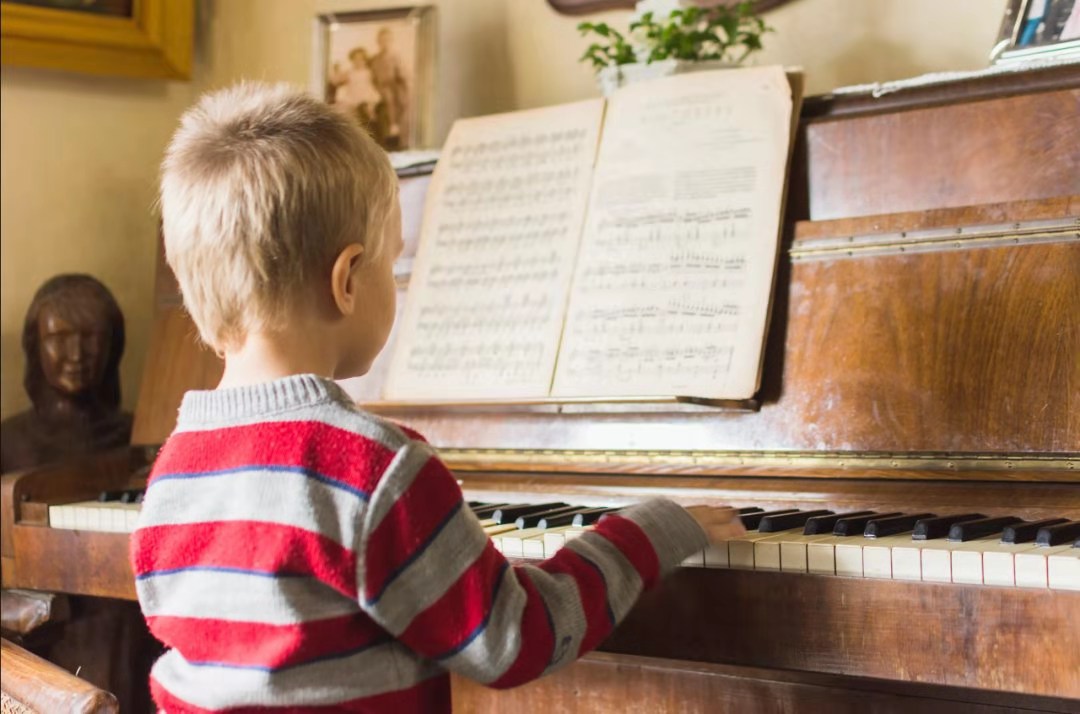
[261,188]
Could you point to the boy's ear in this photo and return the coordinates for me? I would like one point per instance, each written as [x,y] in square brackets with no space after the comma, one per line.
[344,281]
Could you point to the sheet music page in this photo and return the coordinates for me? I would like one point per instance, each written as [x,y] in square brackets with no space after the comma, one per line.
[673,282]
[501,229]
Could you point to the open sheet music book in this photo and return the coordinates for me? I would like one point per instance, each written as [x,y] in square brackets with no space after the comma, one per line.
[619,248]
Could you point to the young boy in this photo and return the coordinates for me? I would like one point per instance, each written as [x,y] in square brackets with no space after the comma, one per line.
[293,551]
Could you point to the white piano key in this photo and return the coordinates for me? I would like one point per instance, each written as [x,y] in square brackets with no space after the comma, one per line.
[513,541]
[694,560]
[131,518]
[1031,566]
[1063,570]
[767,550]
[907,560]
[741,549]
[537,547]
[552,543]
[716,555]
[495,533]
[794,553]
[848,553]
[999,566]
[84,514]
[821,555]
[57,516]
[937,558]
[990,563]
[877,555]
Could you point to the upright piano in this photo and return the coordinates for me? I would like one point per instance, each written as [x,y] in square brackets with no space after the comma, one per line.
[923,360]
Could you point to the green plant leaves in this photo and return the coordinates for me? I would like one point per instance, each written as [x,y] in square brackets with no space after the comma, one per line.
[693,34]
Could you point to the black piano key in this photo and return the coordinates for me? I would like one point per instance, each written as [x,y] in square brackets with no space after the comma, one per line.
[938,527]
[820,525]
[587,519]
[787,521]
[970,530]
[106,496]
[881,527]
[1026,532]
[475,504]
[1059,534]
[135,496]
[750,521]
[856,525]
[566,518]
[749,509]
[486,511]
[531,520]
[509,514]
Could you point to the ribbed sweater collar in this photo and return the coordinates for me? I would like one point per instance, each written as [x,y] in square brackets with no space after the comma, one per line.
[257,400]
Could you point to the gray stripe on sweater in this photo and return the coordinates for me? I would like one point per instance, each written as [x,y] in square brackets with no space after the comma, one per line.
[284,497]
[426,579]
[383,668]
[240,597]
[330,413]
[563,601]
[673,532]
[623,582]
[495,648]
[399,476]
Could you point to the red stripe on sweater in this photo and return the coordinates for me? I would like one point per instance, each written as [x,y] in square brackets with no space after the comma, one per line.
[409,524]
[457,614]
[635,545]
[432,696]
[340,455]
[538,646]
[593,594]
[261,644]
[248,545]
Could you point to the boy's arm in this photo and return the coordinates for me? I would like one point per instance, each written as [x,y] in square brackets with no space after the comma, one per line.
[432,578]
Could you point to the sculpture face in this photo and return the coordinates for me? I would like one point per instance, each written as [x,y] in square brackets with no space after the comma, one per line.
[74,350]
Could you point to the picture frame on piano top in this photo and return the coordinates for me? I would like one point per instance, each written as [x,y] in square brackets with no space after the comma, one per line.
[1038,29]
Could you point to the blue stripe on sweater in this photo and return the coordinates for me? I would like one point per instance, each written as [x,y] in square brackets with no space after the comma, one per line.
[483,625]
[221,569]
[313,475]
[607,604]
[415,554]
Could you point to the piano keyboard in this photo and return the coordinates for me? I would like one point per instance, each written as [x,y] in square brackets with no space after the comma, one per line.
[964,548]
[112,512]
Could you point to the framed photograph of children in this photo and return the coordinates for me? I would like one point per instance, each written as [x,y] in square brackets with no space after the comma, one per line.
[377,66]
[1034,29]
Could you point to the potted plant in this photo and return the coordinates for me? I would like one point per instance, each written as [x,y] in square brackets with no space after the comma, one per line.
[687,40]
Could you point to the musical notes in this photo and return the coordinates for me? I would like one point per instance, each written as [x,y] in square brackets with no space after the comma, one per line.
[671,290]
[661,288]
[500,235]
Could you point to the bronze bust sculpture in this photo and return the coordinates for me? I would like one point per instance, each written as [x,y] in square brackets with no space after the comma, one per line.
[73,337]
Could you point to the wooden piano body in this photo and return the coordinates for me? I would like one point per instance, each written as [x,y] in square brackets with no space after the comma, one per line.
[923,356]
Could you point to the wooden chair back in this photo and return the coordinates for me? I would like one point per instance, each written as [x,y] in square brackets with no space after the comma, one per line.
[31,684]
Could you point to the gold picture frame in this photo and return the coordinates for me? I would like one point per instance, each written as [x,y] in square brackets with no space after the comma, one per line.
[153,41]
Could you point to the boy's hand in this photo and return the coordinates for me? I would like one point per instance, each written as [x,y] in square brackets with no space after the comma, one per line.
[718,523]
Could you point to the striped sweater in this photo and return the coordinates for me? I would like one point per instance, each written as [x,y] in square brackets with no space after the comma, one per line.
[297,554]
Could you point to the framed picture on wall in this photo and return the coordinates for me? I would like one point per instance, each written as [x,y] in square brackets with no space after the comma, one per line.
[130,38]
[378,66]
[1034,29]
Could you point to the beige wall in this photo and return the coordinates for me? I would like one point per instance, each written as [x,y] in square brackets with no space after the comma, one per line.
[79,154]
